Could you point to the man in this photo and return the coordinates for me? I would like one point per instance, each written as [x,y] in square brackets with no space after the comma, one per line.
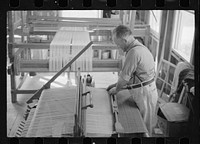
[137,75]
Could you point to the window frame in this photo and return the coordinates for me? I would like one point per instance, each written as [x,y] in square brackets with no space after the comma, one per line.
[176,38]
[155,33]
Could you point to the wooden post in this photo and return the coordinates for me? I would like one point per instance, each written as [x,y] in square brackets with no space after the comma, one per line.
[132,19]
[22,26]
[168,43]
[166,35]
[121,15]
[125,17]
[11,56]
[163,34]
[147,35]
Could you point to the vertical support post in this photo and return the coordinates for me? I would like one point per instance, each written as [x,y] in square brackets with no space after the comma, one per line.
[125,17]
[22,35]
[132,20]
[147,35]
[11,56]
[22,26]
[163,34]
[121,15]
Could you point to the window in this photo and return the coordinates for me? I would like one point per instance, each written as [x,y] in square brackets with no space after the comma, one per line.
[81,13]
[154,20]
[184,33]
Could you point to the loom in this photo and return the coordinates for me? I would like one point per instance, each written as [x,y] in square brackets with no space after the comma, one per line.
[83,119]
[82,111]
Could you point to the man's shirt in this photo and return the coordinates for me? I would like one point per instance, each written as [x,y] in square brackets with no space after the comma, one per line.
[139,61]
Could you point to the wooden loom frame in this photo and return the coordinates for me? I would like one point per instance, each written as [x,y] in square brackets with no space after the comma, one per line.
[18,65]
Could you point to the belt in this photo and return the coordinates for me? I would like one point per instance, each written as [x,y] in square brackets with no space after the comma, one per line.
[139,85]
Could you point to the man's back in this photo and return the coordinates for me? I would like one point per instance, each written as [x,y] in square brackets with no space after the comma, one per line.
[144,68]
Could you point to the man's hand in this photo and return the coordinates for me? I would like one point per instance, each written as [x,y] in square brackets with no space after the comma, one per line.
[112,91]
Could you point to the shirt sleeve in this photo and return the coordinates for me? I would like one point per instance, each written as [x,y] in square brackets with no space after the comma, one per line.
[130,65]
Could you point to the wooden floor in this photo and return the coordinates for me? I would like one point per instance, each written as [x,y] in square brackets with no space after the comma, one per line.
[15,111]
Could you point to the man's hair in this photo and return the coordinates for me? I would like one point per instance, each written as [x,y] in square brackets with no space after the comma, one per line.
[122,31]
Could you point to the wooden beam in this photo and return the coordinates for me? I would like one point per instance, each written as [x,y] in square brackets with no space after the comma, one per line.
[95,46]
[31,45]
[92,20]
[44,64]
[25,91]
[95,69]
[22,81]
[108,65]
[69,23]
[42,32]
[137,31]
[104,46]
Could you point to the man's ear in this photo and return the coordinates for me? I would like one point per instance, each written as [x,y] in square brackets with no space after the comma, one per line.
[124,40]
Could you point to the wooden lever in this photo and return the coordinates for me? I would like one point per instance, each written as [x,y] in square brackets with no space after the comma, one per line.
[90,95]
[118,126]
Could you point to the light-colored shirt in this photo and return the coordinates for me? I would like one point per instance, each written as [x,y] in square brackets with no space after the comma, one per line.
[139,61]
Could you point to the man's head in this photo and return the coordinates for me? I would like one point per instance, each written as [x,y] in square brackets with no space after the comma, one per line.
[122,36]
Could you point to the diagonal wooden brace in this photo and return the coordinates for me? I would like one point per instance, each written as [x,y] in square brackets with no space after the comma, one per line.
[38,93]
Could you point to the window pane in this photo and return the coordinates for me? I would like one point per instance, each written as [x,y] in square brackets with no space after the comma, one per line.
[154,20]
[185,34]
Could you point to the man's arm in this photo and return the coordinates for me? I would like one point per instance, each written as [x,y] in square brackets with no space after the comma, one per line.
[111,86]
[120,84]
